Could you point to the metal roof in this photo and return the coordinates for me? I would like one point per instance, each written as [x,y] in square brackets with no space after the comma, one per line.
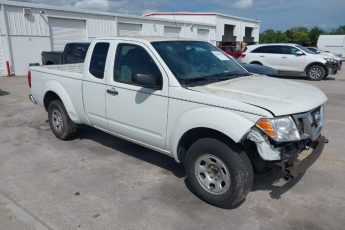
[76,10]
[148,38]
[186,13]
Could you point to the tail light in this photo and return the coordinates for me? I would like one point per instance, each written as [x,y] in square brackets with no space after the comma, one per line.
[29,78]
[242,55]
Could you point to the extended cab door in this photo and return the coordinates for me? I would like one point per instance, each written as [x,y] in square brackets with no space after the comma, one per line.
[94,85]
[137,111]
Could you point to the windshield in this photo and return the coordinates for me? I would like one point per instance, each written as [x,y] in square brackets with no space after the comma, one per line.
[196,62]
[305,49]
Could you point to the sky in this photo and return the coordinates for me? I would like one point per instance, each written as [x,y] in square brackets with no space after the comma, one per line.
[273,14]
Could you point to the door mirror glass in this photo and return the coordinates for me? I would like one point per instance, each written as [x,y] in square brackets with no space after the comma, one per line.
[299,53]
[147,81]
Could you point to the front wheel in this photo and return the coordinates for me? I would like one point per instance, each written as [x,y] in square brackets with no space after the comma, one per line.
[217,173]
[316,73]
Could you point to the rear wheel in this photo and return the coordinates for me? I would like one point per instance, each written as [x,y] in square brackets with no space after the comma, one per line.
[218,174]
[60,123]
[316,73]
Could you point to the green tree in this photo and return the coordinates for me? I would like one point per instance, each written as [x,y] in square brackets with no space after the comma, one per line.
[271,36]
[299,35]
[340,30]
[314,34]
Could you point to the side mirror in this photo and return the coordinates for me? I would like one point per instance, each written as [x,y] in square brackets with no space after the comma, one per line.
[299,53]
[147,81]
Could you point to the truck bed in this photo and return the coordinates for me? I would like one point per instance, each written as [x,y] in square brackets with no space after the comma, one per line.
[70,69]
[66,79]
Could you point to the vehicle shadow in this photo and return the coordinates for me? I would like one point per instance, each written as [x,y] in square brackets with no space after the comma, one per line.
[131,149]
[275,183]
[3,93]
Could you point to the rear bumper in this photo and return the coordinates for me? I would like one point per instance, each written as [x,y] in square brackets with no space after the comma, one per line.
[300,166]
[32,99]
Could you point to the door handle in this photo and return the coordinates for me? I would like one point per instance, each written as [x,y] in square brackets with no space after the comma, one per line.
[262,56]
[284,57]
[112,92]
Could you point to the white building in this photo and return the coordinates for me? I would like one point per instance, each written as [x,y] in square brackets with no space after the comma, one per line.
[229,28]
[27,29]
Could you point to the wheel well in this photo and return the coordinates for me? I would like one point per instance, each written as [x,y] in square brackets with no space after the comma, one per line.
[315,63]
[195,134]
[256,63]
[49,97]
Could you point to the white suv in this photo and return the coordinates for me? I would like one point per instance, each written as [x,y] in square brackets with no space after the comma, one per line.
[290,59]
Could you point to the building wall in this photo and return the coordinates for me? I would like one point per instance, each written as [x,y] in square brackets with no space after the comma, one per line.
[217,19]
[201,18]
[29,35]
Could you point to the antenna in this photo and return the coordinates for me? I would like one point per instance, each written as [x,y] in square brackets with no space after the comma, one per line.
[178,36]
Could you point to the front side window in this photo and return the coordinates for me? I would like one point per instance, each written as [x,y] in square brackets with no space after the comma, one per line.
[289,50]
[305,49]
[197,62]
[98,59]
[132,59]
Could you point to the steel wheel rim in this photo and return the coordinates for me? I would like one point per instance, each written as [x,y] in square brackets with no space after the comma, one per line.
[212,174]
[57,120]
[315,73]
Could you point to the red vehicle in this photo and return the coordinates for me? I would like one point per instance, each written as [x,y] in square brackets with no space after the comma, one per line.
[234,51]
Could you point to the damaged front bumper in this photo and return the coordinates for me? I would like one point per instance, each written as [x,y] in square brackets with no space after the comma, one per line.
[287,155]
[299,166]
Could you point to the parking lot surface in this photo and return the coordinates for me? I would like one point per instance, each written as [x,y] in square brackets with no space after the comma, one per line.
[97,181]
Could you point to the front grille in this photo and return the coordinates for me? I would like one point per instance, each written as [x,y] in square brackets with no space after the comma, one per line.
[310,124]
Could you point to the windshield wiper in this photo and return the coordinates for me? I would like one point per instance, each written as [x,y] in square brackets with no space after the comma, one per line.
[195,80]
[213,78]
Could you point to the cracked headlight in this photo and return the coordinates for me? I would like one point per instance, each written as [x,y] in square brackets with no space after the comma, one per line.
[280,129]
[330,60]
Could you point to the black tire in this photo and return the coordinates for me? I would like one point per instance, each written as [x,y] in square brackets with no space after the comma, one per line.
[237,165]
[316,73]
[60,123]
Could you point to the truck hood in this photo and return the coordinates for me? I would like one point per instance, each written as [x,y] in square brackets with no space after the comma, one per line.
[280,97]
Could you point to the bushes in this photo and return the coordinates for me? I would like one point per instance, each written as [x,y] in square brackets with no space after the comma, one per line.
[300,35]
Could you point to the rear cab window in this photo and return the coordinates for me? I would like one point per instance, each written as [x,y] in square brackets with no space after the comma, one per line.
[98,59]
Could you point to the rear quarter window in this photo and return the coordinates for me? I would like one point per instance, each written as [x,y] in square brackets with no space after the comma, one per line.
[98,59]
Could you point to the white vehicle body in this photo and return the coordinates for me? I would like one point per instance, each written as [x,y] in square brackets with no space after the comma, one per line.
[324,53]
[288,59]
[332,43]
[160,118]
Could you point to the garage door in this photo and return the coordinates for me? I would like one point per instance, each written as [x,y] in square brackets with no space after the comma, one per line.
[203,34]
[64,30]
[171,31]
[129,29]
[2,60]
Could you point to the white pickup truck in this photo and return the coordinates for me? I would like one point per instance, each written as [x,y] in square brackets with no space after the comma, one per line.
[189,100]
